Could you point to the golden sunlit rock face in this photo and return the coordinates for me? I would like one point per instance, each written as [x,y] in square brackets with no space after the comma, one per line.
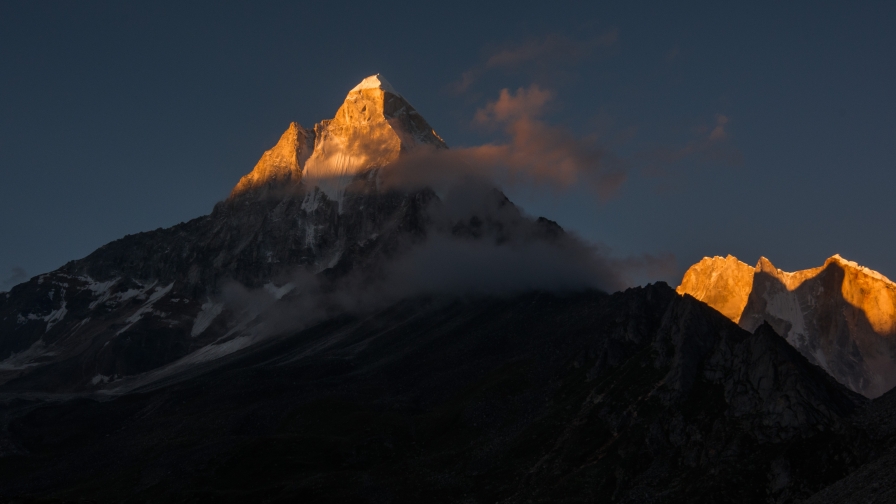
[840,316]
[872,293]
[283,163]
[372,128]
[723,283]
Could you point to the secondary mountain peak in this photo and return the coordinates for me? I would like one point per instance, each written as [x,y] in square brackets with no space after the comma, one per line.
[841,316]
[845,263]
[282,164]
[721,282]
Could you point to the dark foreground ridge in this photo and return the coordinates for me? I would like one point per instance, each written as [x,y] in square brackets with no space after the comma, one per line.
[639,396]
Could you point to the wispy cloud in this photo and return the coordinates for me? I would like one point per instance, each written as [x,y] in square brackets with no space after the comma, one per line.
[543,152]
[540,54]
[524,103]
[531,151]
[718,133]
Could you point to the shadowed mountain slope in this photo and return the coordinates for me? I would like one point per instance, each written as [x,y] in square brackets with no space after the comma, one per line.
[639,396]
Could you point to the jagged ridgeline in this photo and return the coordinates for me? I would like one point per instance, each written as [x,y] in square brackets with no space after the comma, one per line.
[840,316]
[323,336]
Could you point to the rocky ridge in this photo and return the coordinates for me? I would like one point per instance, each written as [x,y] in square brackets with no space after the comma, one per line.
[840,316]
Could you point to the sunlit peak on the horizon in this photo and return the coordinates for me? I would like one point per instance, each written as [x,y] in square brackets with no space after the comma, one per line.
[376,82]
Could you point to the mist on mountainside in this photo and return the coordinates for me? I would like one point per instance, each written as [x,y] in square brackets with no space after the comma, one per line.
[477,244]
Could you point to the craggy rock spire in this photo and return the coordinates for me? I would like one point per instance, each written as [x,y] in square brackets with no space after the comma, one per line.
[281,165]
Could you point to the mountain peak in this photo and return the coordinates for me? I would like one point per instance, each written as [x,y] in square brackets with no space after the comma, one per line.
[372,128]
[375,82]
[766,265]
[856,266]
[722,282]
[282,164]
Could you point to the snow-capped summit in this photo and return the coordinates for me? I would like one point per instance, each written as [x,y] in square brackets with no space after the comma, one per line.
[376,82]
[371,129]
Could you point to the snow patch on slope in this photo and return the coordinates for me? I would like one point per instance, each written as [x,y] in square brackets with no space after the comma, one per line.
[99,378]
[147,307]
[217,350]
[205,317]
[102,291]
[26,358]
[56,315]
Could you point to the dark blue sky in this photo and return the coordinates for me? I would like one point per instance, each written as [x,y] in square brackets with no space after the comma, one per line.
[756,129]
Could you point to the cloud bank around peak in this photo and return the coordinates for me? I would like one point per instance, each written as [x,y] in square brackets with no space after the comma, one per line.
[542,152]
[529,151]
[477,243]
[507,253]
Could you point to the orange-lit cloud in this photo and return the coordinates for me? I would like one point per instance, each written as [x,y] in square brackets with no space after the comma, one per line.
[525,103]
[542,152]
[718,133]
[533,151]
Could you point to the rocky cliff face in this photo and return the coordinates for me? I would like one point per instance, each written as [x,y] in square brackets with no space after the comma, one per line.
[723,283]
[841,316]
[281,167]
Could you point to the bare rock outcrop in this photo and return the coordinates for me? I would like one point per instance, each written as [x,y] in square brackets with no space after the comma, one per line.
[723,283]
